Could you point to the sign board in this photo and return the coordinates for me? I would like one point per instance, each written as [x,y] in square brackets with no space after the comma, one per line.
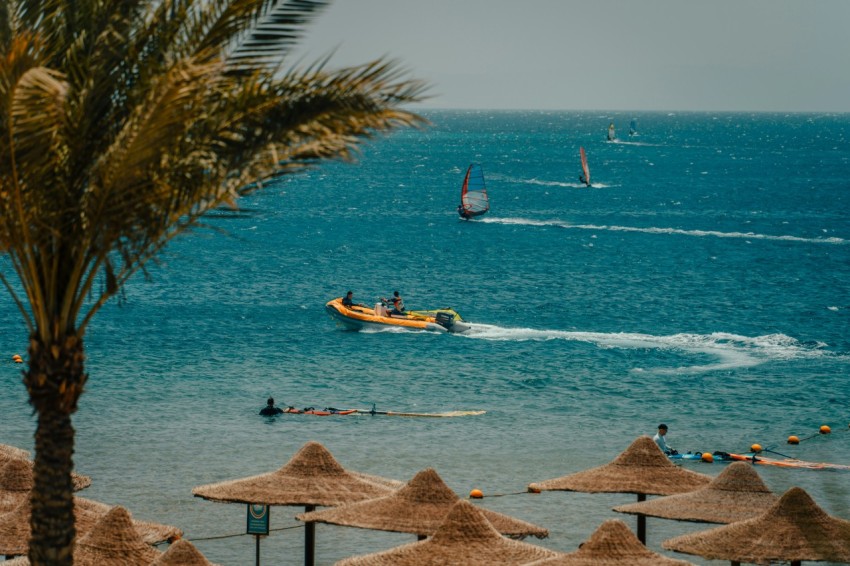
[258,519]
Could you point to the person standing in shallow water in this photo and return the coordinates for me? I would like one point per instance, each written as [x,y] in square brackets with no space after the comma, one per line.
[662,442]
[270,410]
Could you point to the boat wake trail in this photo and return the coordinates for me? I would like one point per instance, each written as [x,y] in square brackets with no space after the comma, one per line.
[570,185]
[675,231]
[643,144]
[731,351]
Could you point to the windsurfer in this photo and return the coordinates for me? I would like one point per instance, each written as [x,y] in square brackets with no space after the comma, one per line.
[462,212]
[584,177]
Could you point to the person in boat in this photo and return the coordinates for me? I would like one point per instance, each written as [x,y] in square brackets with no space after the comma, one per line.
[348,300]
[397,304]
[270,410]
[662,442]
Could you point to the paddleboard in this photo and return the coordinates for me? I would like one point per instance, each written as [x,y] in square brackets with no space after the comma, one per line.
[787,462]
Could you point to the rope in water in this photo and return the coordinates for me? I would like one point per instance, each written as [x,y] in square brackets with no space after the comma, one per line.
[195,539]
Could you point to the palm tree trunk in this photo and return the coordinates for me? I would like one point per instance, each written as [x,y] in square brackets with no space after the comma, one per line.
[54,381]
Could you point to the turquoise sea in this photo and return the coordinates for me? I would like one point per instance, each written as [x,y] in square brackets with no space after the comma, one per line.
[702,281]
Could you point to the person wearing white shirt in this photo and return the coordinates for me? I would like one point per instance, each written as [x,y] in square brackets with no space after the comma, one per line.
[661,441]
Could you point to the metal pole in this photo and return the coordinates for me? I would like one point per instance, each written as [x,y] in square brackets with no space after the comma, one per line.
[309,539]
[258,549]
[641,522]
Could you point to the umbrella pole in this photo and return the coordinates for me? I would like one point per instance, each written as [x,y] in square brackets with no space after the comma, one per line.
[641,521]
[258,549]
[309,539]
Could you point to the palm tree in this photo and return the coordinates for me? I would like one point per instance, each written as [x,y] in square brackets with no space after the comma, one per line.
[121,123]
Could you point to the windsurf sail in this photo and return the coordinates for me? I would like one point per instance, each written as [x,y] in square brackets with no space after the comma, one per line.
[473,195]
[633,128]
[585,176]
[612,134]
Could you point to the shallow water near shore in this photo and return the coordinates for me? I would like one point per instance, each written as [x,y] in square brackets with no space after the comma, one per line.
[702,281]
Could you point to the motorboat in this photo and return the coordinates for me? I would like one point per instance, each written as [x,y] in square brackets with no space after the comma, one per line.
[358,317]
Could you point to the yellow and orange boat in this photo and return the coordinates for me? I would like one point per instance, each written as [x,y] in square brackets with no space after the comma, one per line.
[358,317]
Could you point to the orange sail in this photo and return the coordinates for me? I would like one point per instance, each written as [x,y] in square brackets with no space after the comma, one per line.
[585,177]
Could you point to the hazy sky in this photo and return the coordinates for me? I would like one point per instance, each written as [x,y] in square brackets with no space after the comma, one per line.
[762,55]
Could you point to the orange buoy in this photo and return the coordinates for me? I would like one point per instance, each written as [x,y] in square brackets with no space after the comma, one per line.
[825,429]
[476,494]
[755,448]
[707,457]
[793,440]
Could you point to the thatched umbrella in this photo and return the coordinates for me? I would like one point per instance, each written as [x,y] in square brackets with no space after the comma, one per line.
[612,544]
[465,537]
[642,468]
[312,477]
[16,482]
[15,529]
[792,530]
[114,541]
[418,508]
[182,553]
[738,493]
[8,452]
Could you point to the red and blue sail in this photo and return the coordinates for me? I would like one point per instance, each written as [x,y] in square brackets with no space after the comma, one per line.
[473,194]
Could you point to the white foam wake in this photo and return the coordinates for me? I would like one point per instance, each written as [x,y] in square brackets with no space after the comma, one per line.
[572,185]
[730,350]
[653,230]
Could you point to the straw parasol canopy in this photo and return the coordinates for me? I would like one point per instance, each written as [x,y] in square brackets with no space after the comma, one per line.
[386,482]
[311,477]
[9,452]
[417,508]
[15,529]
[465,537]
[738,493]
[113,541]
[642,468]
[182,553]
[612,544]
[16,482]
[792,530]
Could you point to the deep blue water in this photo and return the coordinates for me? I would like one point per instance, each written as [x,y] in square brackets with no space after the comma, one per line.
[703,281]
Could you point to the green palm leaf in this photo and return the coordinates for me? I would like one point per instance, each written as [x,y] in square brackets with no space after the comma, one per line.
[122,123]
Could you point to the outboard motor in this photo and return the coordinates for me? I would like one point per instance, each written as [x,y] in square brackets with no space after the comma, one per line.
[445,319]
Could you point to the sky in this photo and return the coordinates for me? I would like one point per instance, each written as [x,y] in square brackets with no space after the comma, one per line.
[655,55]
